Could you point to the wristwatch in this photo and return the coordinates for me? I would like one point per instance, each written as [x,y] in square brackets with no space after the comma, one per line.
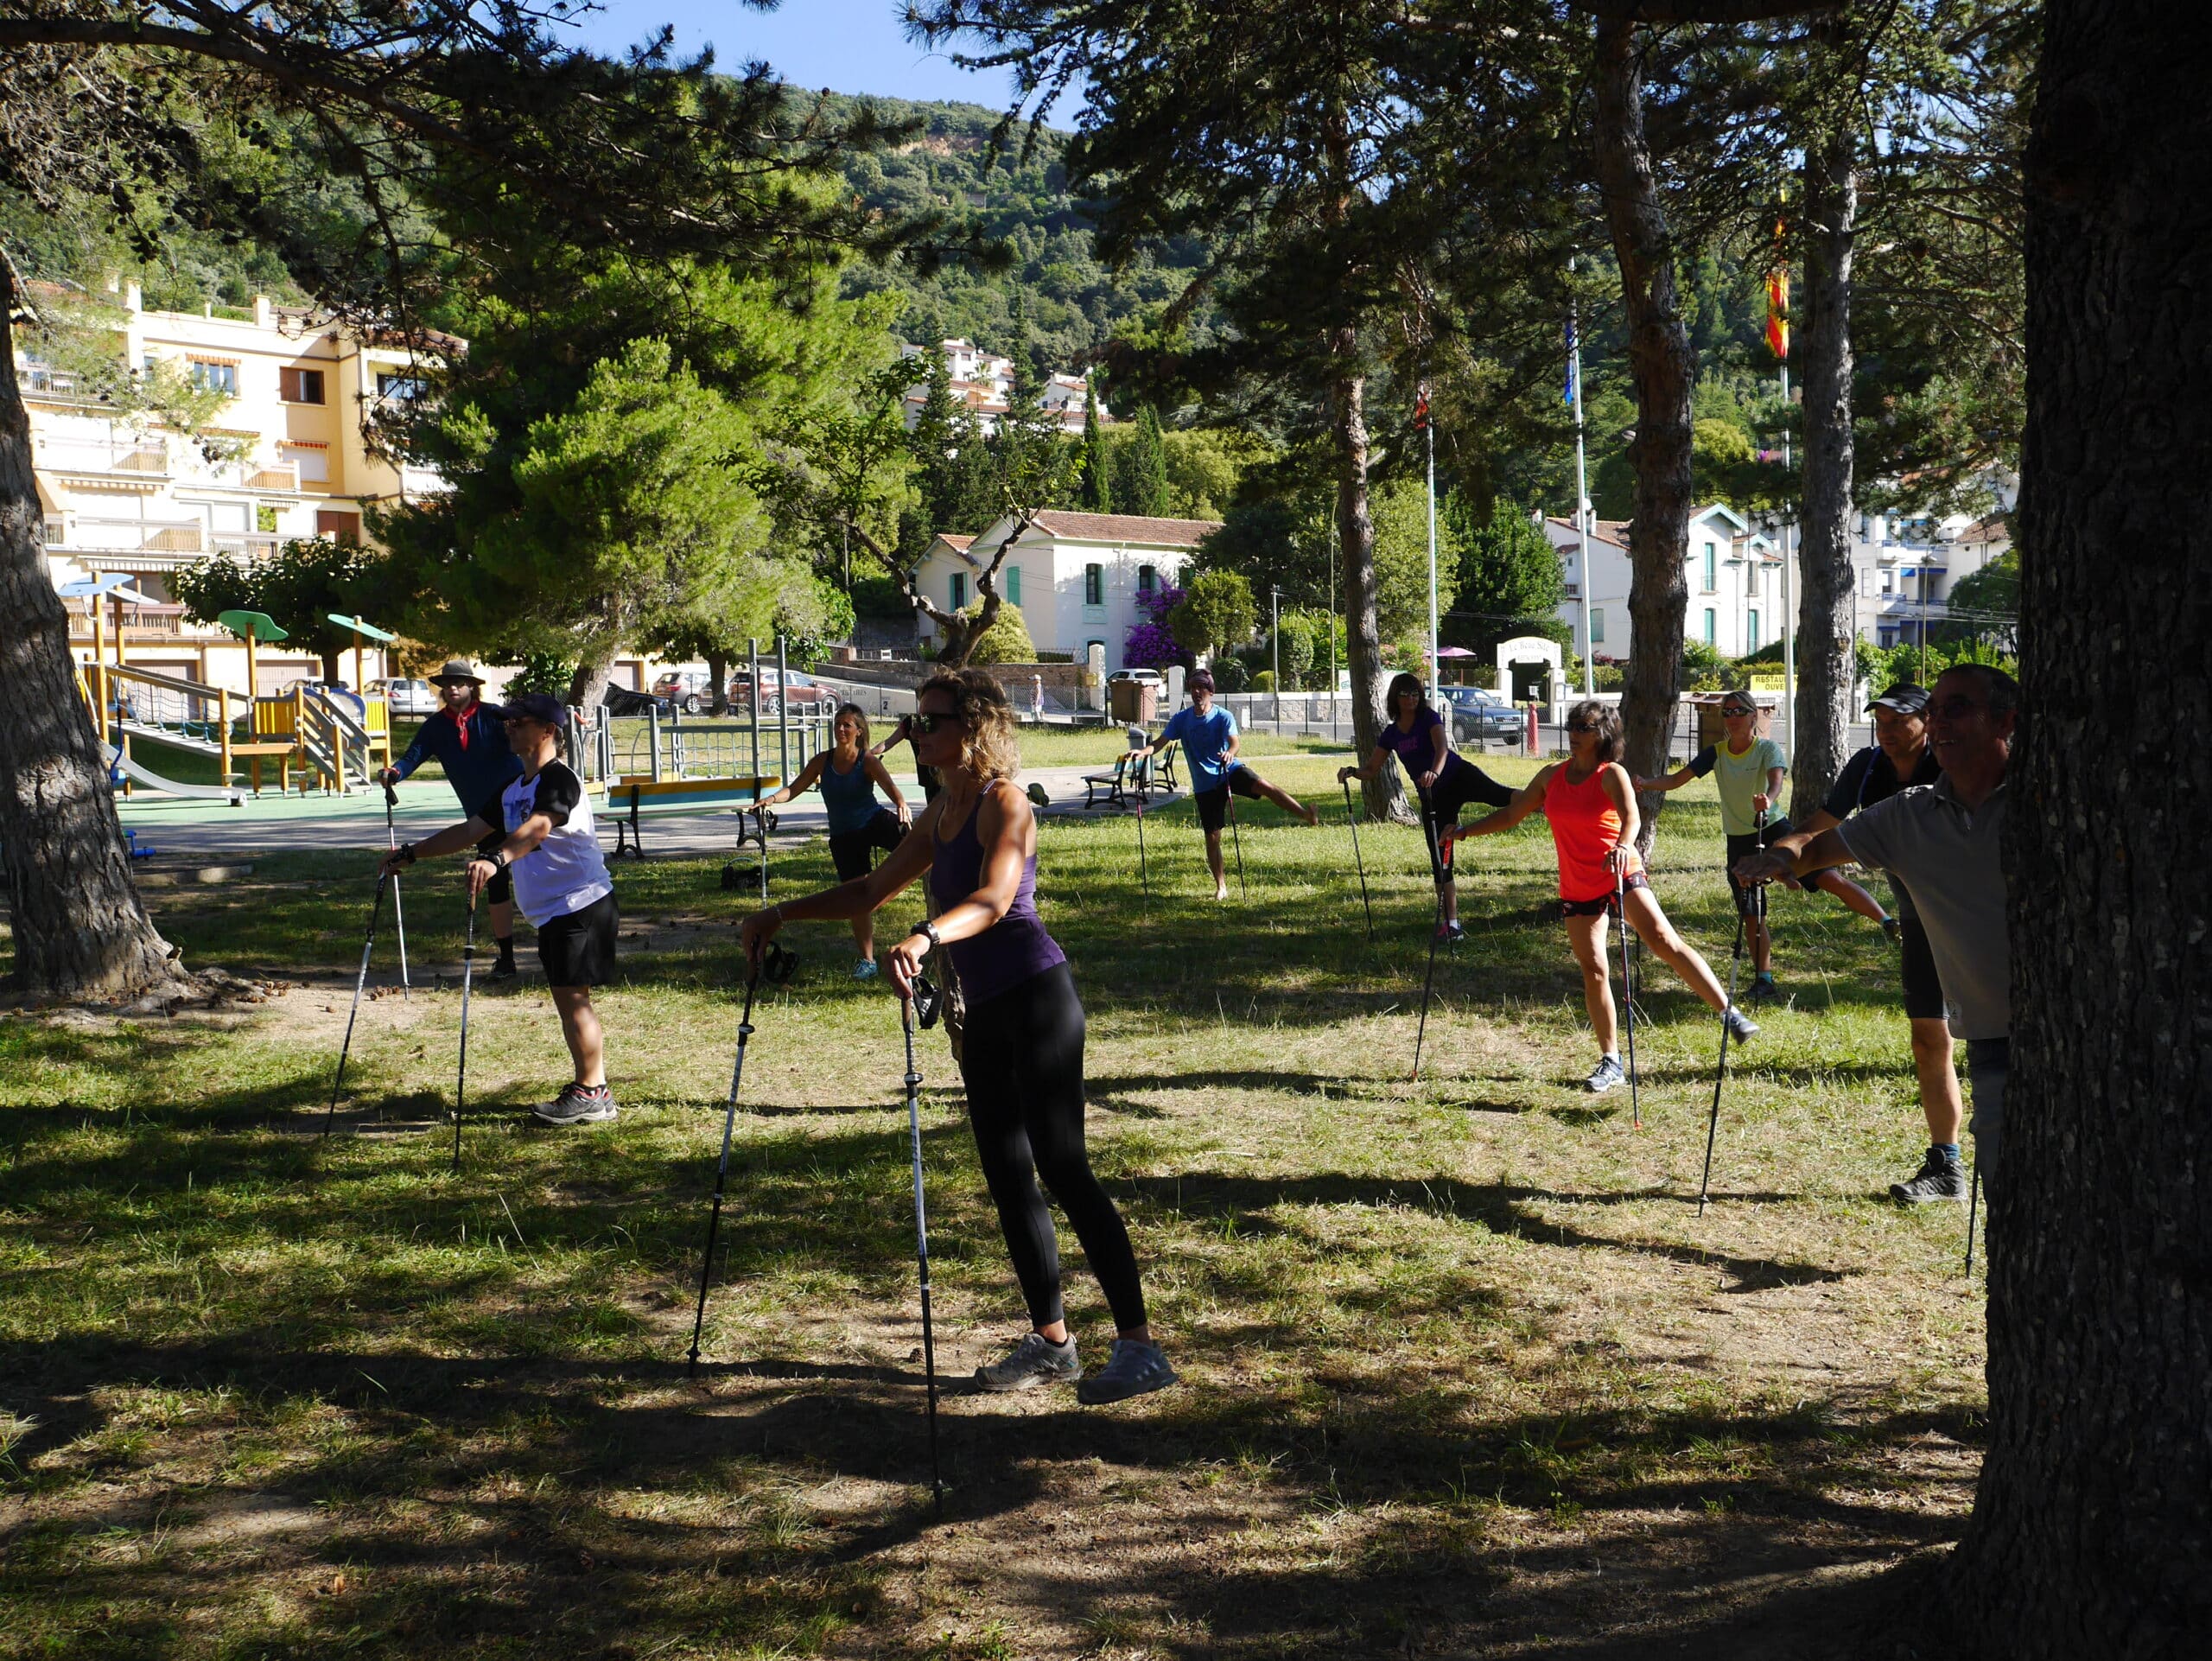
[407,852]
[928,932]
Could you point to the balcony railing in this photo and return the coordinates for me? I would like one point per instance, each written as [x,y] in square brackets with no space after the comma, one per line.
[92,455]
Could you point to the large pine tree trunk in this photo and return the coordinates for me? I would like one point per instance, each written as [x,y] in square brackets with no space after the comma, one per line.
[1825,665]
[1386,797]
[2092,1531]
[80,929]
[1663,367]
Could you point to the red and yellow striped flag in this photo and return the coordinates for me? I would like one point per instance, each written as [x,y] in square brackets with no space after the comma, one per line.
[1778,302]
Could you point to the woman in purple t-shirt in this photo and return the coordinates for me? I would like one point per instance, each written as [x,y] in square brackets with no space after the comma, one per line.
[1445,780]
[1021,1048]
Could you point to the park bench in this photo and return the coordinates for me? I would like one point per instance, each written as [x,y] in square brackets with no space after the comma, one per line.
[1128,779]
[630,800]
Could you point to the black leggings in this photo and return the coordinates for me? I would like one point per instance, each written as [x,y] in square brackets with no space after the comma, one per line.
[1440,808]
[1023,1065]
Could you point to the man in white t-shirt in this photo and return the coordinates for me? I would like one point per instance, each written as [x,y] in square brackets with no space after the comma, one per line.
[550,849]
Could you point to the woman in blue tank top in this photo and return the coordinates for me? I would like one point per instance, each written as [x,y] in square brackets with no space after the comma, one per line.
[1021,1050]
[848,775]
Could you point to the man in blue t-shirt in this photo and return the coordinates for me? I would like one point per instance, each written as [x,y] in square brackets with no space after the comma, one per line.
[1208,735]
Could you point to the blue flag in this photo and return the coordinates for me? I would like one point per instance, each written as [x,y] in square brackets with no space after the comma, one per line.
[1569,398]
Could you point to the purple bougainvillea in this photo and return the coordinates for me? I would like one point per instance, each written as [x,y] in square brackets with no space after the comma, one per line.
[1149,643]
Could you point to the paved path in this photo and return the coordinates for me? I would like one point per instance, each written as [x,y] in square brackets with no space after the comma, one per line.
[274,824]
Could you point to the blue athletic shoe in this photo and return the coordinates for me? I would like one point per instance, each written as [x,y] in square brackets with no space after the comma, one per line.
[1134,1368]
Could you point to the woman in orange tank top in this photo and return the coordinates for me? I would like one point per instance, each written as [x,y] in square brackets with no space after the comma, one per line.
[1591,806]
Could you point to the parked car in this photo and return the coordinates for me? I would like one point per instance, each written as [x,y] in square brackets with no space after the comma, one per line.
[408,697]
[1481,717]
[687,689]
[799,691]
[1148,675]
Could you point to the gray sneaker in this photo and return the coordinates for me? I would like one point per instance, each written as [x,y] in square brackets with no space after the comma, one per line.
[1741,1026]
[578,1105]
[1605,1076]
[1134,1368]
[1938,1178]
[1033,1362]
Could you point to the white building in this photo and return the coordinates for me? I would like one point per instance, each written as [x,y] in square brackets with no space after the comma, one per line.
[1076,576]
[1905,567]
[1733,574]
[983,383]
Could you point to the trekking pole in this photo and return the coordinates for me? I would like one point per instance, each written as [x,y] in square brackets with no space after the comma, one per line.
[1628,1000]
[1756,898]
[1144,868]
[467,976]
[1973,1203]
[1353,820]
[761,814]
[1243,893]
[1429,983]
[721,1169]
[398,917]
[922,1244]
[361,979]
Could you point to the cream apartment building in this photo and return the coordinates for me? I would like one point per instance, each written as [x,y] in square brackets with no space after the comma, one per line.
[127,495]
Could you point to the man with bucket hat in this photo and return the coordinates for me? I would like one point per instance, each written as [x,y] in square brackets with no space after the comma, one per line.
[1900,758]
[468,738]
[540,829]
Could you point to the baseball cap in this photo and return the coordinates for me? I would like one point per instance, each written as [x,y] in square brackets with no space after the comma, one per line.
[541,707]
[1904,698]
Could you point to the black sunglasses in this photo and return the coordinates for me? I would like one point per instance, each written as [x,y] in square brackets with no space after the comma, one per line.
[927,722]
[1582,726]
[1736,710]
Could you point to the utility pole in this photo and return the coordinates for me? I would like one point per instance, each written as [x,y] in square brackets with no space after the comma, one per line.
[1275,633]
[1788,633]
[1581,496]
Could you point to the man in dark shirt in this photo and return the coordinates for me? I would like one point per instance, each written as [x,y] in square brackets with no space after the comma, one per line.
[1899,758]
[468,738]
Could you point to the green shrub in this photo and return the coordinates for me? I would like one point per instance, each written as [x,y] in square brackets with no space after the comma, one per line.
[1264,681]
[1007,641]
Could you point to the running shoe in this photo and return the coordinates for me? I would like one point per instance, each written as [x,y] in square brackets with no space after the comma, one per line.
[1894,929]
[1741,1026]
[578,1105]
[1607,1075]
[1033,1362]
[503,969]
[1134,1368]
[865,969]
[1763,990]
[1453,932]
[1940,1176]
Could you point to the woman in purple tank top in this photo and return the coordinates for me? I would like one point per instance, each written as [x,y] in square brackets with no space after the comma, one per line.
[1021,1054]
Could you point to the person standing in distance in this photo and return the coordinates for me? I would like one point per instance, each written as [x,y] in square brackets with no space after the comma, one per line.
[1944,842]
[1445,780]
[1210,744]
[1899,759]
[1592,809]
[467,737]
[540,833]
[1748,769]
[1021,1055]
[848,774]
[904,734]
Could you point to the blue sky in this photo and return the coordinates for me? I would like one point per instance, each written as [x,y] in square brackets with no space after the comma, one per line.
[848,46]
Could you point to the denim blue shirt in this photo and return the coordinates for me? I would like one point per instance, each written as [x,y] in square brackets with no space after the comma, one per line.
[478,773]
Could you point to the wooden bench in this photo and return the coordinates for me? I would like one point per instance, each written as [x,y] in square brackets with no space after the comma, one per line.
[629,800]
[1130,777]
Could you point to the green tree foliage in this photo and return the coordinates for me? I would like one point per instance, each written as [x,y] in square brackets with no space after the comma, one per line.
[1216,612]
[298,589]
[1984,605]
[1284,536]
[1007,638]
[1141,469]
[1402,560]
[1098,459]
[1508,579]
[1205,467]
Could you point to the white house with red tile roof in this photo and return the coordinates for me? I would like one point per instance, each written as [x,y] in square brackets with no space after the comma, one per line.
[983,383]
[1075,576]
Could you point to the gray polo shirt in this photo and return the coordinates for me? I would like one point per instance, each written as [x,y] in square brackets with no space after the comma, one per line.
[1950,861]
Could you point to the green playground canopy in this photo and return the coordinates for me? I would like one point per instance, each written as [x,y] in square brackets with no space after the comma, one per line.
[251,625]
[360,627]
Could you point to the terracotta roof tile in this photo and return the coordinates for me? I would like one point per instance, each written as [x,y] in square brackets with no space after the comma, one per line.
[1127,527]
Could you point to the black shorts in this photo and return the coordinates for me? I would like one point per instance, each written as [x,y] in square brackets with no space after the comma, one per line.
[1743,847]
[848,850]
[1604,902]
[500,890]
[1924,989]
[578,950]
[1213,805]
[1441,806]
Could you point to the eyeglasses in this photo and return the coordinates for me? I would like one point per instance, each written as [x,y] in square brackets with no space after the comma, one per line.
[1956,709]
[1735,711]
[1582,726]
[927,722]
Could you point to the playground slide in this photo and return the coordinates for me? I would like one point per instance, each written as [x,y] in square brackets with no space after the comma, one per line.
[146,779]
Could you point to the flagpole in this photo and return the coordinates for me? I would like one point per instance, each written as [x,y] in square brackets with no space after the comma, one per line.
[1789,632]
[1581,498]
[1428,427]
